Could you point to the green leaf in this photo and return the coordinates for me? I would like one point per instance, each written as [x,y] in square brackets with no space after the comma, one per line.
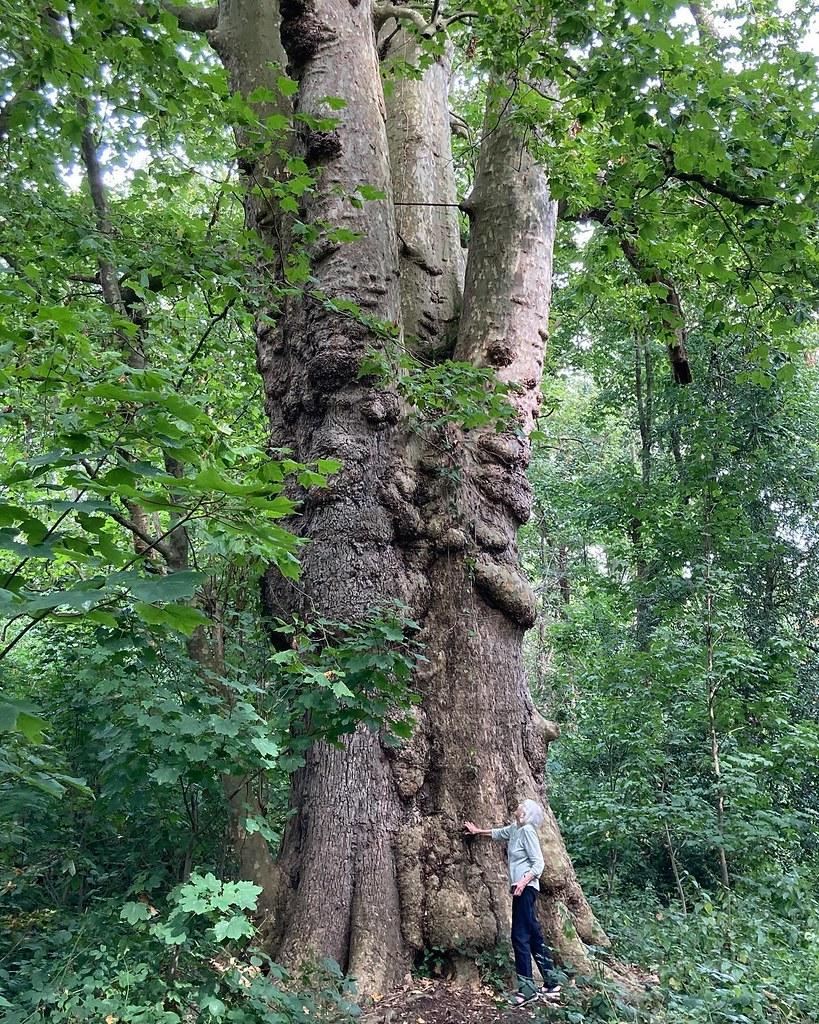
[402,728]
[266,747]
[235,927]
[173,587]
[134,912]
[340,689]
[214,1006]
[286,86]
[183,618]
[20,716]
[102,618]
[173,932]
[370,193]
[243,894]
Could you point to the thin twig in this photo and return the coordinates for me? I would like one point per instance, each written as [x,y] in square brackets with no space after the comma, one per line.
[217,319]
[152,546]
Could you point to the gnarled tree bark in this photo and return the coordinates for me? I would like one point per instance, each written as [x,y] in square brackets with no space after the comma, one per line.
[373,865]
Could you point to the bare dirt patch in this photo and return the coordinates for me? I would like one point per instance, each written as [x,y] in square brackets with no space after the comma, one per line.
[430,1001]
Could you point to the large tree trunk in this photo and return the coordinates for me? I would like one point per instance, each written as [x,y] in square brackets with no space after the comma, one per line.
[337,889]
[373,865]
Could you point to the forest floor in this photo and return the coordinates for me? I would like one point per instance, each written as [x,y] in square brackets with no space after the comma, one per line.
[431,1001]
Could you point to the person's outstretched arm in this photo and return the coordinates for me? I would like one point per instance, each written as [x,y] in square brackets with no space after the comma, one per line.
[492,833]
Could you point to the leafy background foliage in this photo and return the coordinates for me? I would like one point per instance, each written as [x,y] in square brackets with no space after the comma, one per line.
[669,522]
[673,547]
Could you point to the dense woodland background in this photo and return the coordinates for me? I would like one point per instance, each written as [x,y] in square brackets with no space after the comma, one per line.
[673,546]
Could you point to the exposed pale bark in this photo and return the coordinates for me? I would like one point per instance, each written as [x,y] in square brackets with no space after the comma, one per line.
[704,20]
[195,19]
[509,273]
[481,616]
[423,176]
[190,17]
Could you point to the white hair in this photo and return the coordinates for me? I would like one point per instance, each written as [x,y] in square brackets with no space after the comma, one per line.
[532,813]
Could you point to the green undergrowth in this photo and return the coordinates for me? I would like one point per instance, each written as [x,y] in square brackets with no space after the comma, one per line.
[183,961]
[743,957]
[746,957]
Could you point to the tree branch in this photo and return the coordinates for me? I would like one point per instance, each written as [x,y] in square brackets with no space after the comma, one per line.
[41,615]
[383,12]
[108,279]
[150,543]
[137,525]
[460,16]
[704,20]
[84,278]
[107,273]
[198,348]
[194,19]
[751,202]
[458,125]
[673,317]
[599,215]
[688,177]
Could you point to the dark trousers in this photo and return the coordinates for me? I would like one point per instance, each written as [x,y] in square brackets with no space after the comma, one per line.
[527,938]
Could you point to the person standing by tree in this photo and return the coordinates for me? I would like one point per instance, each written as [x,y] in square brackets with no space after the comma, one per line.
[526,864]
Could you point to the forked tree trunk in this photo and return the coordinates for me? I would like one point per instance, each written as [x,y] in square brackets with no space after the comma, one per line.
[373,865]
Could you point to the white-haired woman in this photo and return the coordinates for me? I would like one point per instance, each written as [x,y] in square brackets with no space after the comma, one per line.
[526,865]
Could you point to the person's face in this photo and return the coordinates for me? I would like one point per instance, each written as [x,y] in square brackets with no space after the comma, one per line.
[520,814]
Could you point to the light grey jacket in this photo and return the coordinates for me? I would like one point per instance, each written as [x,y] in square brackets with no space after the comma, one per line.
[522,851]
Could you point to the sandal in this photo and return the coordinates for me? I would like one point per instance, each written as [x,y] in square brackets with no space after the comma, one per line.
[550,992]
[521,998]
